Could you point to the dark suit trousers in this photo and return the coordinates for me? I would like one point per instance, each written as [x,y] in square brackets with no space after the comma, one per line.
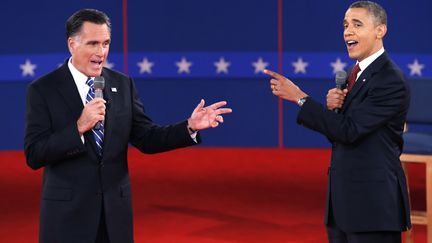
[102,235]
[337,235]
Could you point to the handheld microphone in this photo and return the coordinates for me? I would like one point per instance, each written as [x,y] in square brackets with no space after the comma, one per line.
[99,85]
[340,80]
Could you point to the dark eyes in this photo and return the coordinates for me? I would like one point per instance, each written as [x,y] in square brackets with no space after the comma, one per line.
[105,44]
[357,25]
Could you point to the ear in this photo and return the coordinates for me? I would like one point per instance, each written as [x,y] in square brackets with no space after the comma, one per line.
[71,44]
[381,30]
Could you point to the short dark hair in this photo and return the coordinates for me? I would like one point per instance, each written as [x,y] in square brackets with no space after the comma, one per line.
[374,8]
[75,22]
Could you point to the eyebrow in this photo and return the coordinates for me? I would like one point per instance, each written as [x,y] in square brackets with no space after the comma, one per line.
[96,41]
[357,21]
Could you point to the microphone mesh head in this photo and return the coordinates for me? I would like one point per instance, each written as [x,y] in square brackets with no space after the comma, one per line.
[341,77]
[99,82]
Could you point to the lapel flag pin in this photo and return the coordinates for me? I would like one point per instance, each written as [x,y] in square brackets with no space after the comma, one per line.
[113,89]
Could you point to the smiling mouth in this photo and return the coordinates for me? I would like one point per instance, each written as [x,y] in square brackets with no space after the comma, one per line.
[351,43]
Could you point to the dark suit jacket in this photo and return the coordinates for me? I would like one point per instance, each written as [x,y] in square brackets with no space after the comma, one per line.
[367,188]
[76,181]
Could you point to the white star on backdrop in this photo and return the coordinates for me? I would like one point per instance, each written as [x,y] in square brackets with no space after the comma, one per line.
[338,65]
[260,65]
[300,65]
[28,68]
[183,66]
[108,64]
[222,65]
[145,66]
[416,68]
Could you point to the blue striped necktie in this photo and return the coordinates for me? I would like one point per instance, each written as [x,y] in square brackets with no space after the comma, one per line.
[97,133]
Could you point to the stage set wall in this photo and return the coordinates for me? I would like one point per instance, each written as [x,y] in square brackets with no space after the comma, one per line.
[241,31]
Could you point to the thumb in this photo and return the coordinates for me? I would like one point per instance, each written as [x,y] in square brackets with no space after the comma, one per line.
[200,105]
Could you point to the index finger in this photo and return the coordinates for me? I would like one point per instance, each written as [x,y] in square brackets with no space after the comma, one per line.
[97,101]
[223,111]
[217,105]
[273,74]
[339,91]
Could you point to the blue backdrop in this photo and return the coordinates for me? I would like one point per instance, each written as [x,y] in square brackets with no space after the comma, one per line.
[181,51]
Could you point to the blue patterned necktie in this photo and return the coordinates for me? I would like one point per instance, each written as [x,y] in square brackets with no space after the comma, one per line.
[97,133]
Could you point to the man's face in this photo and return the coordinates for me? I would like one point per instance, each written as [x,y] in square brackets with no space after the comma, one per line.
[362,33]
[89,48]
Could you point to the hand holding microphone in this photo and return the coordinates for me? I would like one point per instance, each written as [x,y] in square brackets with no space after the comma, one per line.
[99,85]
[336,96]
[93,114]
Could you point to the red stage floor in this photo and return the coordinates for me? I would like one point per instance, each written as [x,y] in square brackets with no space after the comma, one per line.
[204,195]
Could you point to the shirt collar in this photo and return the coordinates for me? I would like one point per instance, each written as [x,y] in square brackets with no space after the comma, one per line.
[367,61]
[78,76]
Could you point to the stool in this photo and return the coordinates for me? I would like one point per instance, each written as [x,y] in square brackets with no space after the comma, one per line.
[418,149]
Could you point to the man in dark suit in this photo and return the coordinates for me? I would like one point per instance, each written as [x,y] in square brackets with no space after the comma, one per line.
[86,194]
[367,193]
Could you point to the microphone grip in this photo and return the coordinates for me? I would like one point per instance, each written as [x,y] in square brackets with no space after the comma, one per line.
[337,110]
[98,94]
[98,125]
[340,84]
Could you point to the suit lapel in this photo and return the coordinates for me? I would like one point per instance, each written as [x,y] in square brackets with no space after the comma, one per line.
[364,78]
[67,88]
[65,85]
[110,85]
